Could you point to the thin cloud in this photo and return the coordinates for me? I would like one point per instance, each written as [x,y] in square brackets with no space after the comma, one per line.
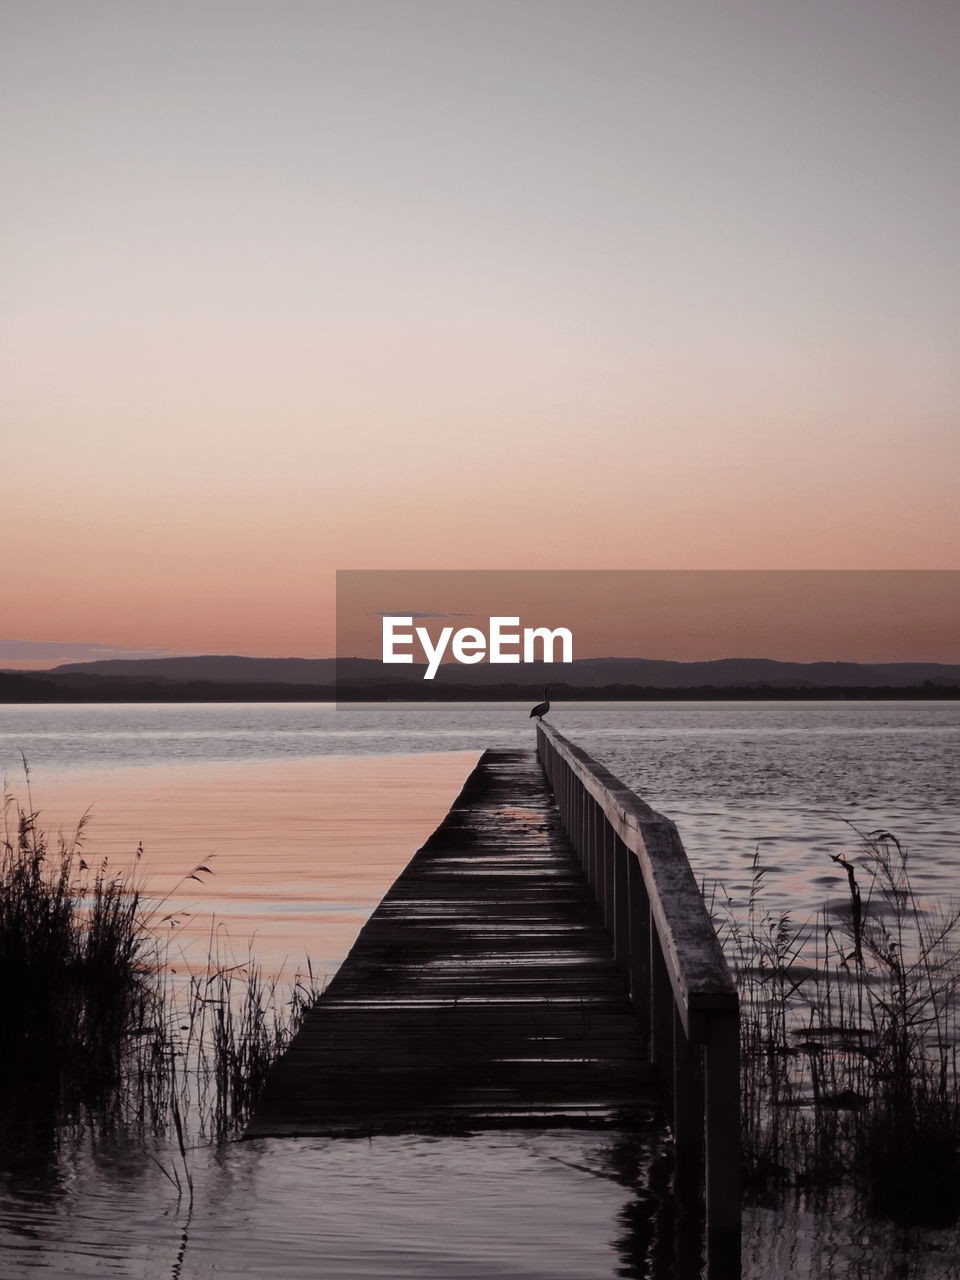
[70,651]
[412,613]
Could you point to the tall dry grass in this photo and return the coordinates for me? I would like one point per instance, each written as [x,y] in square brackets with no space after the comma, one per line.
[850,1039]
[75,964]
[95,1028]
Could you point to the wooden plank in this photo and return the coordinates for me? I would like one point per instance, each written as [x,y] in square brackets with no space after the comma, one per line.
[481,992]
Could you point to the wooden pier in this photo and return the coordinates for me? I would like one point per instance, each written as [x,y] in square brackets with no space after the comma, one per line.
[482,990]
[545,958]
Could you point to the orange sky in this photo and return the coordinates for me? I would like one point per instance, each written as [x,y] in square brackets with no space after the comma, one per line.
[477,286]
[821,615]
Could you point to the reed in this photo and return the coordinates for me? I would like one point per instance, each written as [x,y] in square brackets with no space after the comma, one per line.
[238,1023]
[95,1029]
[75,967]
[850,1040]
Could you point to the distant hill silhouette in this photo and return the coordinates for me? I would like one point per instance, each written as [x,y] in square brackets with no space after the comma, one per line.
[225,668]
[584,673]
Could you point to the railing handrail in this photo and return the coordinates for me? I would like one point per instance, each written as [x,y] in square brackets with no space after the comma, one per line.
[677,976]
[697,968]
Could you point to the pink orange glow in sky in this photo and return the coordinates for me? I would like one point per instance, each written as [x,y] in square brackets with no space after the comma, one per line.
[293,287]
[688,615]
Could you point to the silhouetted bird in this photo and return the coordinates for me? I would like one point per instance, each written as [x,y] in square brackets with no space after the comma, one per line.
[541,709]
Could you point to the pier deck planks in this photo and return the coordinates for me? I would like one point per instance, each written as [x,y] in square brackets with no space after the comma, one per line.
[482,991]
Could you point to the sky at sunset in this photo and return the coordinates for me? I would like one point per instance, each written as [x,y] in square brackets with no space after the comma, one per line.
[464,284]
[820,615]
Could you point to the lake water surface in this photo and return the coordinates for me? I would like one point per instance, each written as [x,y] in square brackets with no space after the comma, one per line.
[305,814]
[787,777]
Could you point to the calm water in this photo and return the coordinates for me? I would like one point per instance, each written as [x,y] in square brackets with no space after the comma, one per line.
[786,776]
[310,812]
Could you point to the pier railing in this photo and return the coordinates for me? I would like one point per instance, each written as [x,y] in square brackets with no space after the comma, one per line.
[679,980]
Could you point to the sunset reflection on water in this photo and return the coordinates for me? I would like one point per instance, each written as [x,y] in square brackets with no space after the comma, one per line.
[299,851]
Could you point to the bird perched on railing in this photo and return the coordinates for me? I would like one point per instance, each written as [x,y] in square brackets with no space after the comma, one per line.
[541,709]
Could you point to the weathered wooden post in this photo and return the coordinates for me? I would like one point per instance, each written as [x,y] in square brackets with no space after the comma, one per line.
[620,857]
[722,1108]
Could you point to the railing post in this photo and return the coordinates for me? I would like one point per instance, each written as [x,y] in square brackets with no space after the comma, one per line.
[661,1009]
[722,1175]
[688,1113]
[586,823]
[588,827]
[586,836]
[607,880]
[620,856]
[572,811]
[576,798]
[599,835]
[640,980]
